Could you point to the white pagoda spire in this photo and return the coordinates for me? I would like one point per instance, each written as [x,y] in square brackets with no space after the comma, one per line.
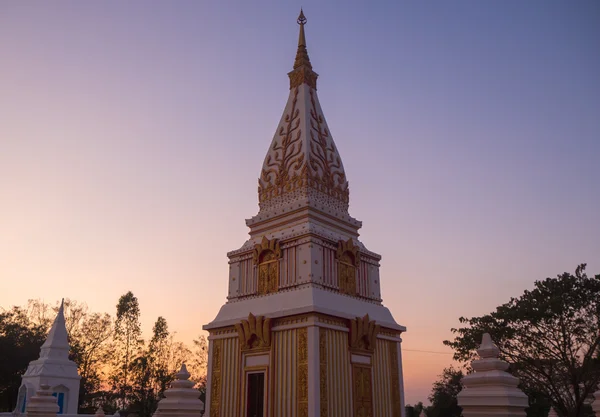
[57,342]
[53,368]
[302,167]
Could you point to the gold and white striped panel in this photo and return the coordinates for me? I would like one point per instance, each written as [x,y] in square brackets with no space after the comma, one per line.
[339,375]
[382,380]
[363,280]
[230,374]
[288,267]
[284,373]
[329,268]
[247,279]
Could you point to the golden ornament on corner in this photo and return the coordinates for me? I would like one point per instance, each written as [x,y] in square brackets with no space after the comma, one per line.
[254,333]
[363,333]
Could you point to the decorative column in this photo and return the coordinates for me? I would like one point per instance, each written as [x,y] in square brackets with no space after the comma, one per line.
[42,404]
[181,399]
[490,390]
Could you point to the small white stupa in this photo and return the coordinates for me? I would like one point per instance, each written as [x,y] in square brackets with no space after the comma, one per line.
[53,368]
[42,404]
[181,399]
[490,390]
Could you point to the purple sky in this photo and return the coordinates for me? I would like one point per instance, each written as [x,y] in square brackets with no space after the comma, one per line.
[132,136]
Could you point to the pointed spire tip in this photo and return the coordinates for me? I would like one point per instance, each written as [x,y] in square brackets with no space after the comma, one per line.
[301,18]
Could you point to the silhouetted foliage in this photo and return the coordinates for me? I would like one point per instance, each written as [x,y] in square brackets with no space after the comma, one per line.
[550,336]
[100,350]
[20,342]
[414,411]
[128,337]
[443,394]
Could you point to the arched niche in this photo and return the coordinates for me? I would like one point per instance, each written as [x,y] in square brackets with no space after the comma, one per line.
[22,399]
[61,393]
[348,260]
[266,257]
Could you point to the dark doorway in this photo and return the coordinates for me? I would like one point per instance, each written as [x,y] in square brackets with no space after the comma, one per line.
[255,395]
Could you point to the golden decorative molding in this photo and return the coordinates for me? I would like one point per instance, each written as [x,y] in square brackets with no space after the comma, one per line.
[363,333]
[215,387]
[302,372]
[254,333]
[395,376]
[324,410]
[266,255]
[348,260]
[335,321]
[362,390]
[284,321]
[222,331]
[389,332]
[303,75]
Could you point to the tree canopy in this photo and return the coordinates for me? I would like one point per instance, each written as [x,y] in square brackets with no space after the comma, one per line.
[444,392]
[20,342]
[550,336]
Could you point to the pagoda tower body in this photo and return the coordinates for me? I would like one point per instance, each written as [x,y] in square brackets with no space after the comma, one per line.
[53,368]
[304,332]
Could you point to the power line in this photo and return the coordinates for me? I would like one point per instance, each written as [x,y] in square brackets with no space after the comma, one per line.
[426,351]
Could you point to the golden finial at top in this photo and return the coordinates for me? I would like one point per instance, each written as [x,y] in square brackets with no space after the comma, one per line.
[302,72]
[301,19]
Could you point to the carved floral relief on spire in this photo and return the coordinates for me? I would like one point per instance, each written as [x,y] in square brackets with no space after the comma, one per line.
[289,165]
[283,166]
[327,173]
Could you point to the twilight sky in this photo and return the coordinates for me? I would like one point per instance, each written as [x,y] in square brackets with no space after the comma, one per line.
[132,136]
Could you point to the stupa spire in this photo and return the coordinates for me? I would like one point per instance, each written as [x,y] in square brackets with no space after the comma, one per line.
[54,368]
[303,168]
[57,343]
[303,72]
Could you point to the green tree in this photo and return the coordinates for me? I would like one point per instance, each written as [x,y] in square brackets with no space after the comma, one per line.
[443,394]
[550,336]
[20,342]
[127,333]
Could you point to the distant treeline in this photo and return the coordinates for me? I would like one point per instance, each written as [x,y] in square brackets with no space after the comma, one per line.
[119,370]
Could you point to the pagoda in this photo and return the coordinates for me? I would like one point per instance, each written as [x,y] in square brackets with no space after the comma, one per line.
[303,332]
[53,368]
